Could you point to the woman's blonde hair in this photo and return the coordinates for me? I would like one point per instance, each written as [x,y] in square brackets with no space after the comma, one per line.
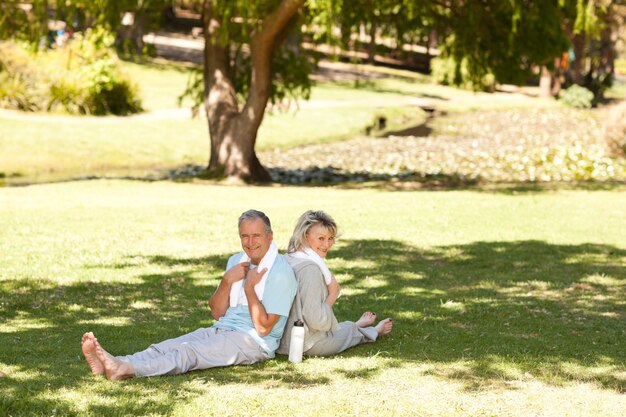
[309,219]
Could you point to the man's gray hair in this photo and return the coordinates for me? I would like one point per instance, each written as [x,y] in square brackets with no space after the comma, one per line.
[255,214]
[309,219]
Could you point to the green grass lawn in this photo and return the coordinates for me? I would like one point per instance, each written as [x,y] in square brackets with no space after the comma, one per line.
[505,303]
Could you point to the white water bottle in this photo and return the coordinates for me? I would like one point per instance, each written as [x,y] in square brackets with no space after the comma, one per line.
[296,345]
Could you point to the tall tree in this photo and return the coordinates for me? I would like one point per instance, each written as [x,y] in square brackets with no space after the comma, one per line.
[233,127]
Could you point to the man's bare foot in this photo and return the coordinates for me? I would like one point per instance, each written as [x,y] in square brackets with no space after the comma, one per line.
[367,319]
[89,351]
[114,369]
[384,327]
[2,374]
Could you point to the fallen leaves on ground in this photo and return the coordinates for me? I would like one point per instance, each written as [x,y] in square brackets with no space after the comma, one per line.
[538,145]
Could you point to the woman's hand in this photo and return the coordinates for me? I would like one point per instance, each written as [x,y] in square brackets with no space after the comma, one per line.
[334,289]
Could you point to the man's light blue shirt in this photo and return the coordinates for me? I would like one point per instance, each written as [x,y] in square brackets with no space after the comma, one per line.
[280,290]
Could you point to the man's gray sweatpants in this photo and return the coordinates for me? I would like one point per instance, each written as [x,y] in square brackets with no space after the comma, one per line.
[203,348]
[348,335]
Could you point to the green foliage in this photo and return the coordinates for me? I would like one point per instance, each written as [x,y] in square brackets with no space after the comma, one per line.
[291,76]
[577,97]
[105,92]
[446,71]
[504,38]
[80,78]
[587,20]
[404,21]
[18,86]
[291,67]
[22,20]
[194,91]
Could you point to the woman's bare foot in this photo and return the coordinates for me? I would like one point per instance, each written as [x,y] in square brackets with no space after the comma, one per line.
[89,351]
[384,327]
[367,319]
[114,369]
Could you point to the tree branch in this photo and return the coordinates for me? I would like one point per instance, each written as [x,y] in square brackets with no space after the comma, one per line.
[263,44]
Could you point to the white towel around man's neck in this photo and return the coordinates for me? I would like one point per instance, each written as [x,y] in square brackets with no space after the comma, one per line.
[310,254]
[237,293]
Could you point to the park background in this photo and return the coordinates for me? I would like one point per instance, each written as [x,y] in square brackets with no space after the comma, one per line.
[486,218]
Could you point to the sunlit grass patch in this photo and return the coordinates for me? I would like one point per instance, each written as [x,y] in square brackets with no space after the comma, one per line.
[410,276]
[108,321]
[23,322]
[453,306]
[605,281]
[143,305]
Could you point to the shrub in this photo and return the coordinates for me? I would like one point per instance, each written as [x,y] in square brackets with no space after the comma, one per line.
[446,71]
[105,92]
[18,89]
[81,78]
[577,97]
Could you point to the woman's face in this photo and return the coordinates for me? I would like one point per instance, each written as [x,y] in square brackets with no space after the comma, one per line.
[320,239]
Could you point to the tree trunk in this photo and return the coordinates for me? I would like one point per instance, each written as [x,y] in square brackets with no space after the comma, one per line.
[138,30]
[431,42]
[577,67]
[232,151]
[233,131]
[371,50]
[545,82]
[609,38]
[556,78]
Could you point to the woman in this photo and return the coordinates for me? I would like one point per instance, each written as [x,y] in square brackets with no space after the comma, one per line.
[318,291]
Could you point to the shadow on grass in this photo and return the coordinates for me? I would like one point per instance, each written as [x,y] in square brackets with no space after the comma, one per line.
[420,130]
[415,181]
[483,313]
[492,312]
[330,175]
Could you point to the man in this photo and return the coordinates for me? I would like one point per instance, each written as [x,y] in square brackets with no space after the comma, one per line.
[251,305]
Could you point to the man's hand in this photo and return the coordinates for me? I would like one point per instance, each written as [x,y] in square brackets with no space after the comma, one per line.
[253,277]
[333,291]
[263,322]
[220,300]
[236,273]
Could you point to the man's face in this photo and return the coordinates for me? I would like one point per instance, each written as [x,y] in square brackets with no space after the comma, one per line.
[254,240]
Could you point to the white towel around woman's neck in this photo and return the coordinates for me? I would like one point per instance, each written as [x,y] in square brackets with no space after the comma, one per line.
[310,254]
[237,293]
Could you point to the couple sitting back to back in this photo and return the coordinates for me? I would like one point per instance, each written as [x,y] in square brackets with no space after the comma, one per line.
[255,309]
